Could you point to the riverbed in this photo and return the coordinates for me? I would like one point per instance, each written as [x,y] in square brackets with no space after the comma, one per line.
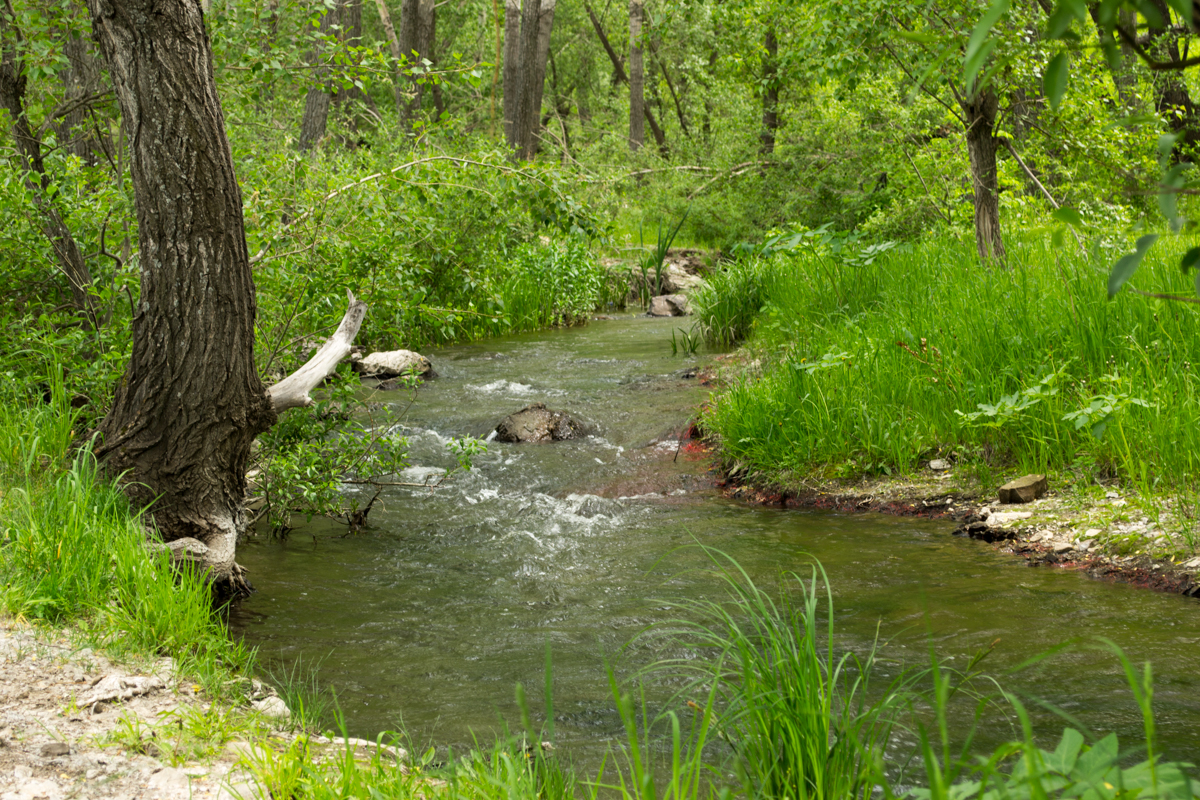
[427,619]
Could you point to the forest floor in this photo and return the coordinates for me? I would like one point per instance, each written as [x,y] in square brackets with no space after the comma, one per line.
[1102,531]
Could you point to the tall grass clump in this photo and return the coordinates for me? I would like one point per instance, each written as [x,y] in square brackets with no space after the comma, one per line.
[71,550]
[729,302]
[875,364]
[803,721]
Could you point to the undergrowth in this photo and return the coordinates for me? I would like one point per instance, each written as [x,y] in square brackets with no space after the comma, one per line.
[871,363]
[72,551]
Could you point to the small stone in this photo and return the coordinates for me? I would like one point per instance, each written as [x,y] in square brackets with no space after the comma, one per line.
[939,465]
[1024,490]
[1090,532]
[55,749]
[272,707]
[669,305]
[1061,547]
[1192,563]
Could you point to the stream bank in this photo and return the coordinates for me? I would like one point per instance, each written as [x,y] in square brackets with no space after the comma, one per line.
[1107,535]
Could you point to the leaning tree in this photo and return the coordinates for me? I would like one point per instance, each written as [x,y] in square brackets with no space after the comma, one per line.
[191,402]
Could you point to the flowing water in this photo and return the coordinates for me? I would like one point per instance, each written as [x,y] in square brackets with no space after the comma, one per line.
[429,617]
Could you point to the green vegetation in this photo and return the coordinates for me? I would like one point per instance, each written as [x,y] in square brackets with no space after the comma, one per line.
[767,707]
[72,552]
[870,367]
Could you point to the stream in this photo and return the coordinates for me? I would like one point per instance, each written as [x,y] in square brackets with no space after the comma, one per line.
[428,618]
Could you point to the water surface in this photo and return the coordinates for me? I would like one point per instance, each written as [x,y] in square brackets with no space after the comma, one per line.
[429,617]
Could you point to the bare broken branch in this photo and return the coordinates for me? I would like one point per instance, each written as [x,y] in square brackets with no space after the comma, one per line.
[292,391]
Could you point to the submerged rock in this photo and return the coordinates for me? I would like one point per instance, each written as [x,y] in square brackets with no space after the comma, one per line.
[536,423]
[669,305]
[1024,490]
[393,364]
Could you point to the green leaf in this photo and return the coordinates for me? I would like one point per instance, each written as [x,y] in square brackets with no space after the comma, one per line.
[975,62]
[1154,17]
[983,29]
[1068,216]
[1190,259]
[1182,7]
[1127,265]
[1055,80]
[1066,12]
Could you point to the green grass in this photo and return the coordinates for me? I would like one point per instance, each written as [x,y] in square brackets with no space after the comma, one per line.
[72,552]
[871,366]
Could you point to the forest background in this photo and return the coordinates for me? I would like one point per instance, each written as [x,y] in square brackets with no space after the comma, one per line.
[463,167]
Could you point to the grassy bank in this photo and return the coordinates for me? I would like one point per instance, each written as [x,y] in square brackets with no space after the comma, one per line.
[873,362]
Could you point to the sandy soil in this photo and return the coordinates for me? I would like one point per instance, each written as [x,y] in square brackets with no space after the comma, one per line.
[53,747]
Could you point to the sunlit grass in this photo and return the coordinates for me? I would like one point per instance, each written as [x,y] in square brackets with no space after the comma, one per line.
[871,368]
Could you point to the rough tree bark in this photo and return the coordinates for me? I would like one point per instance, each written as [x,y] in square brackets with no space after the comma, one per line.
[29,151]
[523,122]
[770,99]
[637,99]
[979,111]
[512,70]
[191,402]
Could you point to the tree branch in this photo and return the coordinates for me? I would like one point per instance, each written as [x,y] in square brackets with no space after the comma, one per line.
[292,391]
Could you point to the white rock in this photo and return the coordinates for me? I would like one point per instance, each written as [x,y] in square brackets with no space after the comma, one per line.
[669,305]
[170,782]
[1192,563]
[35,789]
[392,364]
[1005,517]
[1090,532]
[272,707]
[939,465]
[112,688]
[1061,547]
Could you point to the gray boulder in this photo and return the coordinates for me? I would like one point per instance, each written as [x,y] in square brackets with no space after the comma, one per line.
[670,305]
[536,424]
[393,364]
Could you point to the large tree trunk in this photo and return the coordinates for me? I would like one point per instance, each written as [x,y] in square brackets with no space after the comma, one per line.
[191,401]
[512,70]
[29,150]
[770,99]
[524,121]
[637,99]
[980,115]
